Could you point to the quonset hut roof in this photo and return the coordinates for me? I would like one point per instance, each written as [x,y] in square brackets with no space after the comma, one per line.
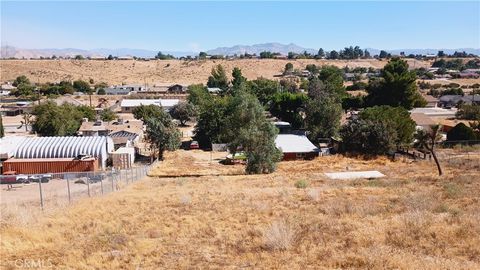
[65,147]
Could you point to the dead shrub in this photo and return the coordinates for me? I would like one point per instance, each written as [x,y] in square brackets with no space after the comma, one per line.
[280,235]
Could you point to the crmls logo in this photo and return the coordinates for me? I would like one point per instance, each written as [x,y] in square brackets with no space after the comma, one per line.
[33,263]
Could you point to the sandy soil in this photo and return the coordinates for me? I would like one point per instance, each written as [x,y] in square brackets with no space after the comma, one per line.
[155,72]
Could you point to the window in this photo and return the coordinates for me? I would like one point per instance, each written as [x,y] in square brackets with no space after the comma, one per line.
[301,155]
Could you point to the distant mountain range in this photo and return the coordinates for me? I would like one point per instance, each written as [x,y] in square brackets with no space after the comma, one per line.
[9,51]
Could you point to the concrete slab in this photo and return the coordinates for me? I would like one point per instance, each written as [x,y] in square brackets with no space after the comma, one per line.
[355,175]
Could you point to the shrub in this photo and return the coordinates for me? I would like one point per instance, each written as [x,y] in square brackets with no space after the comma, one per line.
[301,184]
[469,112]
[461,133]
[279,236]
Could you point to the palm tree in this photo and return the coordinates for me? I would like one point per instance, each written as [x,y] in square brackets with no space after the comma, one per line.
[427,139]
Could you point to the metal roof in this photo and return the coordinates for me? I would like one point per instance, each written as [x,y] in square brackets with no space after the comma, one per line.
[65,147]
[166,103]
[291,143]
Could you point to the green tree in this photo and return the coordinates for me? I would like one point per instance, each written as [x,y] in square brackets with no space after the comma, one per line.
[162,56]
[82,86]
[63,120]
[26,121]
[288,107]
[368,137]
[198,95]
[162,134]
[321,53]
[218,78]
[248,128]
[202,55]
[79,57]
[183,112]
[461,132]
[21,80]
[24,90]
[108,115]
[397,118]
[322,118]
[110,57]
[144,112]
[238,81]
[397,87]
[211,121]
[264,89]
[427,139]
[469,112]
[288,68]
[333,55]
[101,91]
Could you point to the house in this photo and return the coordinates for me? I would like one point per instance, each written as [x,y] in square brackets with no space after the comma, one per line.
[100,128]
[124,89]
[125,138]
[432,101]
[422,120]
[177,89]
[436,112]
[6,89]
[127,105]
[468,75]
[449,101]
[283,127]
[296,147]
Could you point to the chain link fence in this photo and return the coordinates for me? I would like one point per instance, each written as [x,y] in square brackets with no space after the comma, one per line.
[54,189]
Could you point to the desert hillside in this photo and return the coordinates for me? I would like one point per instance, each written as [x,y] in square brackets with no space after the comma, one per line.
[167,71]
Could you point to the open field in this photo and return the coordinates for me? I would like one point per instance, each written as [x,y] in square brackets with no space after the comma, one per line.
[412,219]
[168,71]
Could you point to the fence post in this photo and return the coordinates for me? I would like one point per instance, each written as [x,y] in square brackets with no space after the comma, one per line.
[88,184]
[101,184]
[41,195]
[113,178]
[68,188]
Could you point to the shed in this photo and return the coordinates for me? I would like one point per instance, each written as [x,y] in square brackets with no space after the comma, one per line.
[296,147]
[123,158]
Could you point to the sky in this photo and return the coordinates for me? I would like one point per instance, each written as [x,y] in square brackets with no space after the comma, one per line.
[199,25]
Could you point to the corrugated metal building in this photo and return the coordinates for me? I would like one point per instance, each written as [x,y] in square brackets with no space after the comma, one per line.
[65,147]
[50,165]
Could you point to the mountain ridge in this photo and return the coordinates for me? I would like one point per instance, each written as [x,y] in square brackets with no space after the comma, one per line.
[14,52]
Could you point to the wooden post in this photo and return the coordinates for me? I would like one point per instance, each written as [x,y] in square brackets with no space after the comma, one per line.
[41,194]
[68,188]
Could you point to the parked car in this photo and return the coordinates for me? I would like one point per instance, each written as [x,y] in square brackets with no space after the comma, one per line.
[11,177]
[194,145]
[37,178]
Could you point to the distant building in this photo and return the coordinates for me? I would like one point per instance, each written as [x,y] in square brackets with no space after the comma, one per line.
[422,120]
[100,128]
[6,89]
[432,101]
[124,89]
[177,89]
[449,101]
[214,90]
[296,147]
[127,105]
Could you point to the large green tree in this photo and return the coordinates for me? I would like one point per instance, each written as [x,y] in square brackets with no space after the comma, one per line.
[264,89]
[322,117]
[82,86]
[198,95]
[143,112]
[183,112]
[288,107]
[162,134]
[63,120]
[211,121]
[247,128]
[218,78]
[397,118]
[396,87]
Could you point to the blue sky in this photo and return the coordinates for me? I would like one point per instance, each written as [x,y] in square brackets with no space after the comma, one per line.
[194,26]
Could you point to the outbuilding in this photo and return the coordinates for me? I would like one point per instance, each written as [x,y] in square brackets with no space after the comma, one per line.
[296,147]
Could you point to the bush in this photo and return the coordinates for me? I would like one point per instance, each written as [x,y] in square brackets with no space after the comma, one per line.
[469,112]
[461,133]
[279,236]
[301,184]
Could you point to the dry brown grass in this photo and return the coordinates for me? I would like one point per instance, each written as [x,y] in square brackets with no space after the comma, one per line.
[171,71]
[410,220]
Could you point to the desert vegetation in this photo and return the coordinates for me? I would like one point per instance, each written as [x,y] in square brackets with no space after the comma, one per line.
[411,219]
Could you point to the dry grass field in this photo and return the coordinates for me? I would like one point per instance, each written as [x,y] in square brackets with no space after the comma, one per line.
[151,72]
[412,219]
